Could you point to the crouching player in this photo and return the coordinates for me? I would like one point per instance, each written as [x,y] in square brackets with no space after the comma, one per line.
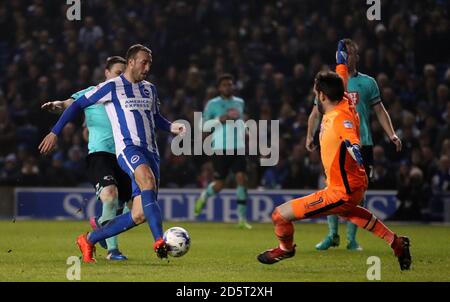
[346,178]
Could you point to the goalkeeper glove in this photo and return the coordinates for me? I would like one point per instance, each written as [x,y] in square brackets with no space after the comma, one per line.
[354,151]
[341,54]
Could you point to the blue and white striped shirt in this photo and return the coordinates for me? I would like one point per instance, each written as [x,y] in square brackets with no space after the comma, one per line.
[132,109]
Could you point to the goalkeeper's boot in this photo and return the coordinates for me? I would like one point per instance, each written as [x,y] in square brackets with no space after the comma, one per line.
[200,204]
[161,248]
[275,255]
[329,241]
[87,249]
[95,224]
[354,246]
[400,245]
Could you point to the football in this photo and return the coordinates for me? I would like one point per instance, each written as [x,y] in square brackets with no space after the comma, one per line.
[178,240]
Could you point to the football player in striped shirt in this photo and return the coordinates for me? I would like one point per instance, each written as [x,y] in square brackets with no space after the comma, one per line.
[132,106]
[112,185]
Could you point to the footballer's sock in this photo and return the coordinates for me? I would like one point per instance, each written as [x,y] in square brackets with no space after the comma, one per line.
[112,243]
[365,219]
[125,209]
[109,211]
[115,226]
[209,191]
[333,221]
[284,230]
[152,213]
[351,231]
[241,194]
[242,210]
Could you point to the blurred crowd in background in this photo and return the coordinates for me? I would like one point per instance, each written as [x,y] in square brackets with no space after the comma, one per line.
[273,48]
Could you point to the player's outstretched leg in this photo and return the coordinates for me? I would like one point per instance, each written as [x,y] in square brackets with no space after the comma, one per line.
[400,244]
[284,230]
[115,226]
[332,239]
[201,201]
[94,222]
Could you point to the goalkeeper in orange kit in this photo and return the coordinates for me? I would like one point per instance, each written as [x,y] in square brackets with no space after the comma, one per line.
[346,177]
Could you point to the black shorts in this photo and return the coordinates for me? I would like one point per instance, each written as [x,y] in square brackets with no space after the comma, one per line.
[367,155]
[224,163]
[103,170]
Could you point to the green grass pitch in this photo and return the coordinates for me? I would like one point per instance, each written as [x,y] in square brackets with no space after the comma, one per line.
[38,250]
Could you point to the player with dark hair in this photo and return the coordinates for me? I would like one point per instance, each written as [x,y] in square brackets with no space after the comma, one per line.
[346,178]
[364,93]
[132,106]
[112,185]
[228,144]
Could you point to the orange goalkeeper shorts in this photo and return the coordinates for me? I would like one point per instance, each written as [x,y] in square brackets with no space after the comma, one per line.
[322,203]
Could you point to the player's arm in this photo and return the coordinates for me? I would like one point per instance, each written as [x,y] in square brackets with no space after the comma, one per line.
[346,129]
[234,113]
[57,107]
[341,61]
[382,114]
[162,123]
[99,94]
[386,123]
[313,121]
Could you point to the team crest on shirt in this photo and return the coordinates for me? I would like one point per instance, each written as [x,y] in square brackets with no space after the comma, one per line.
[348,124]
[134,159]
[354,97]
[146,91]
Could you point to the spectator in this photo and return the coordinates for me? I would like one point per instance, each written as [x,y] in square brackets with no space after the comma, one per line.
[7,133]
[414,196]
[29,174]
[273,54]
[89,33]
[56,175]
[275,177]
[441,179]
[182,170]
[9,175]
[382,178]
[76,165]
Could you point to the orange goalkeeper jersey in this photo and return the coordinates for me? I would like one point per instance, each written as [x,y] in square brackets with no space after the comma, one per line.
[342,171]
